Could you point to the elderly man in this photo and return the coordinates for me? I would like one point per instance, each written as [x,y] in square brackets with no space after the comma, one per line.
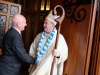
[43,49]
[13,52]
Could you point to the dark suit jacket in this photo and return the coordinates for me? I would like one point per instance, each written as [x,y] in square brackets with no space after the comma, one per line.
[13,53]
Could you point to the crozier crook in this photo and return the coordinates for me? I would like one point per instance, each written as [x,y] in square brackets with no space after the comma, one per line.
[59,21]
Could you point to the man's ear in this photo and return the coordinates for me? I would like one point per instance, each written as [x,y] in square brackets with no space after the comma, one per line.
[18,23]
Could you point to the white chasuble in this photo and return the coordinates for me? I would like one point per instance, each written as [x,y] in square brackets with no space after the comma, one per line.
[44,65]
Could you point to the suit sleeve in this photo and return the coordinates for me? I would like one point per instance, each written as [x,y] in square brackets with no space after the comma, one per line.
[19,50]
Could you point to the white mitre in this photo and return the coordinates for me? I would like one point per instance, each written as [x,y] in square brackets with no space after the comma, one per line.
[52,17]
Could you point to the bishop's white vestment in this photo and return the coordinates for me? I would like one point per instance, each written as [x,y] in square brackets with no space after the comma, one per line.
[44,66]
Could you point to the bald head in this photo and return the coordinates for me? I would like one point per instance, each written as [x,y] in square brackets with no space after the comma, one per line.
[18,18]
[19,21]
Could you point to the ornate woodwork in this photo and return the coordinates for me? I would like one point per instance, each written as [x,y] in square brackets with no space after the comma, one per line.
[71,12]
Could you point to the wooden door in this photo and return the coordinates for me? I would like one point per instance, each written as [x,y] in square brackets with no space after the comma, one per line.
[78,34]
[7,10]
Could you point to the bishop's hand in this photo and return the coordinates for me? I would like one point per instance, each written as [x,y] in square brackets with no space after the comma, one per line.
[56,53]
